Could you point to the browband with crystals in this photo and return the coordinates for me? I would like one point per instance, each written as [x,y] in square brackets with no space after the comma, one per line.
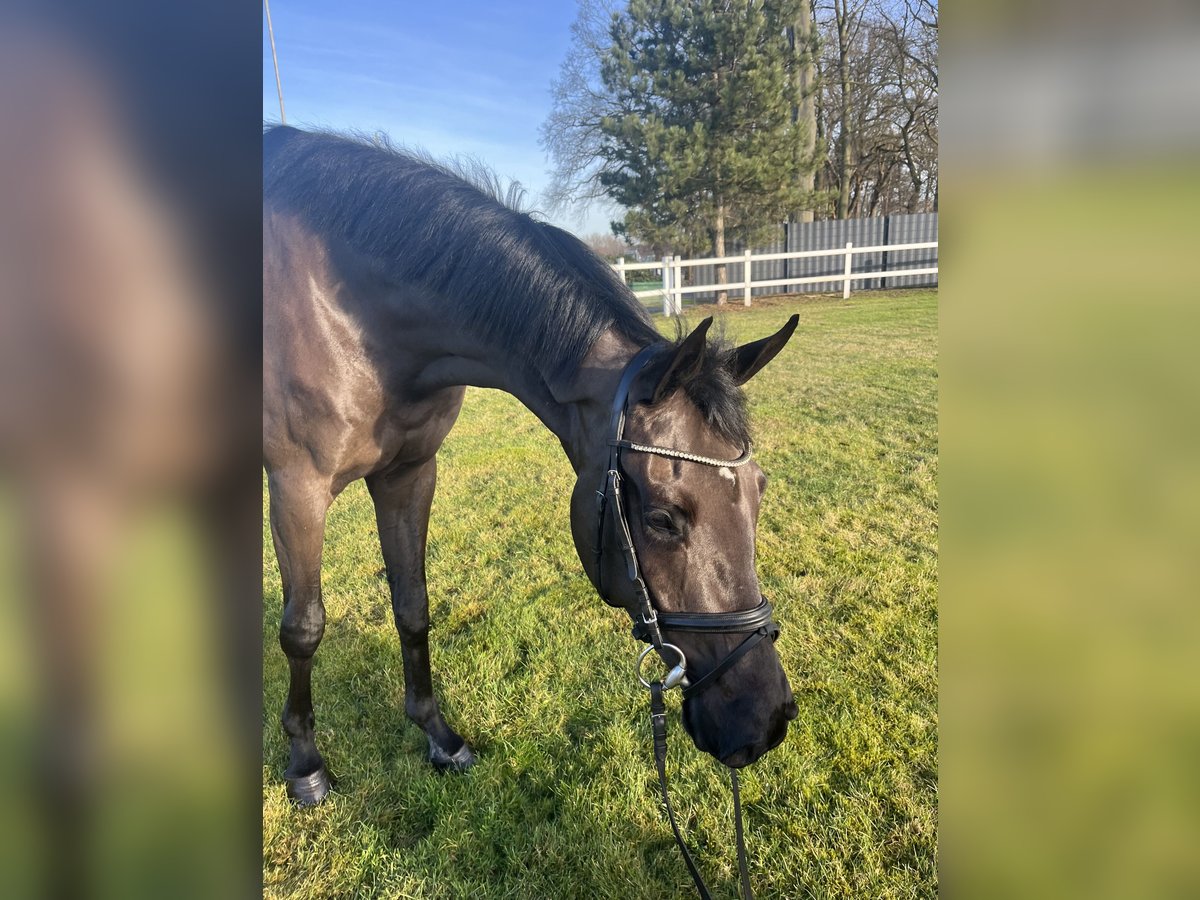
[683,454]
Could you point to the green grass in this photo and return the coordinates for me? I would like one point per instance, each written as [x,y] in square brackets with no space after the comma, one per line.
[536,672]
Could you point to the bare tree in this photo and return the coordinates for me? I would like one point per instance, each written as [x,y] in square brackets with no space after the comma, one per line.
[609,246]
[877,107]
[914,37]
[571,134]
[847,21]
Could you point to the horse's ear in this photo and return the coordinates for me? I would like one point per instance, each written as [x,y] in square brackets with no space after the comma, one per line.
[750,358]
[685,362]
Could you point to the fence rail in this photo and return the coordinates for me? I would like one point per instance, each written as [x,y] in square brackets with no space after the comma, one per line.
[672,290]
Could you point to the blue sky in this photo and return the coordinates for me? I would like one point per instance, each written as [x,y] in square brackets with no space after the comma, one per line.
[463,77]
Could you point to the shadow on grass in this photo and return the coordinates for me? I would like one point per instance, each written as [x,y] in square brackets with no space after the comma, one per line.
[541,813]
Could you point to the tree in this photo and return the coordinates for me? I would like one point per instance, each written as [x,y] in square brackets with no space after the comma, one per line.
[691,120]
[802,40]
[913,36]
[877,117]
[847,22]
[571,134]
[653,102]
[608,246]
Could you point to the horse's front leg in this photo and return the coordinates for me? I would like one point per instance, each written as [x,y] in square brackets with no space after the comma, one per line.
[402,501]
[298,507]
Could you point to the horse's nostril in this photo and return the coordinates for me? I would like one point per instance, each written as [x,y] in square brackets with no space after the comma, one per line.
[791,711]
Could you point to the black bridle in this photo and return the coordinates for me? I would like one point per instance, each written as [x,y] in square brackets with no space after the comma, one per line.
[649,623]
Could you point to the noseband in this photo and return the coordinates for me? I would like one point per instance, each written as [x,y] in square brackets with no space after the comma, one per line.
[649,623]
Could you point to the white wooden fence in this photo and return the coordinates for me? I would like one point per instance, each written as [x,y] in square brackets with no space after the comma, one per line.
[671,270]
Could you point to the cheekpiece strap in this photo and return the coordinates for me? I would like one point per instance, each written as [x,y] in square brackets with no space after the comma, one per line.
[616,425]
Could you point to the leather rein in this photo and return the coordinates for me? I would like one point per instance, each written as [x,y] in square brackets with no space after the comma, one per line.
[649,623]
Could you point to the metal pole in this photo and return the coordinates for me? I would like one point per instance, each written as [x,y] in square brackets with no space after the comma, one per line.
[275,61]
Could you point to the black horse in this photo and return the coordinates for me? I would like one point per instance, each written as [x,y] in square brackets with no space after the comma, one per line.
[389,284]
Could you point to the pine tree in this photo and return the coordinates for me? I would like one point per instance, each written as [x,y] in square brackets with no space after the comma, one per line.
[704,146]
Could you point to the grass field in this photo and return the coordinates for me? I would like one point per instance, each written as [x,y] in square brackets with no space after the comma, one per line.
[536,672]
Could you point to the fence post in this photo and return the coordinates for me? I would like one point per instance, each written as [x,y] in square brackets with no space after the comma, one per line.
[676,284]
[846,274]
[746,279]
[886,240]
[668,306]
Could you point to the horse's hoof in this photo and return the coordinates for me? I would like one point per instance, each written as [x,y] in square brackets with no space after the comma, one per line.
[310,790]
[445,762]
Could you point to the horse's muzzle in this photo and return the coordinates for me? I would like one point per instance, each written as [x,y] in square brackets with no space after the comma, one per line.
[748,753]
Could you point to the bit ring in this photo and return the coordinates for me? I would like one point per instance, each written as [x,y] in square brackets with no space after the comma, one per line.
[676,675]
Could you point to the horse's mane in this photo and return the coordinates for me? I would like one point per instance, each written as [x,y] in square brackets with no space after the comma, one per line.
[519,283]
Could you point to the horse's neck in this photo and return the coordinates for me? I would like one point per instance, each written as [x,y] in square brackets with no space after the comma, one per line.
[588,395]
[576,408]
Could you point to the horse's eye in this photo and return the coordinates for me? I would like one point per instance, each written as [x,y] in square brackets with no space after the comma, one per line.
[660,520]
